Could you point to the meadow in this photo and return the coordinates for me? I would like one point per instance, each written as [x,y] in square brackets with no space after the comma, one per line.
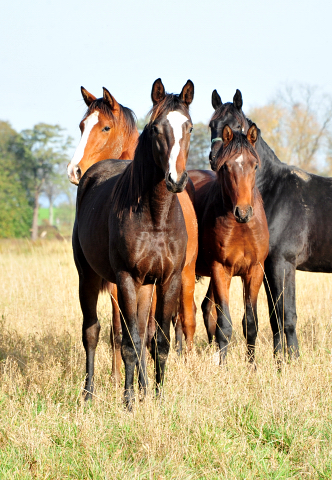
[212,422]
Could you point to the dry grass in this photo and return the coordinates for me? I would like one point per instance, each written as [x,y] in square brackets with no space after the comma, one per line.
[211,423]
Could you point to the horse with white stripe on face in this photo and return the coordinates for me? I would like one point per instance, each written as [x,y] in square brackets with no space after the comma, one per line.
[130,230]
[108,131]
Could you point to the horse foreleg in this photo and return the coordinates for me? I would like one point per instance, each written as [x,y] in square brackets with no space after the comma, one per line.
[167,298]
[280,289]
[209,314]
[145,297]
[115,334]
[220,284]
[89,287]
[252,283]
[131,342]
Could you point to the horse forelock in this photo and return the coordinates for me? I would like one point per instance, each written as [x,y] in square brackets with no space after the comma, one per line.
[170,103]
[129,117]
[236,146]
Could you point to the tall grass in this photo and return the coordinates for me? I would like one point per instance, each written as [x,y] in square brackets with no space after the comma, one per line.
[212,422]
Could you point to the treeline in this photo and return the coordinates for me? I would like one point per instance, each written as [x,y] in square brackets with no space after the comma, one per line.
[296,124]
[32,162]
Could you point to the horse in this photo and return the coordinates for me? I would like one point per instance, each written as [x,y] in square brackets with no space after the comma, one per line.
[185,321]
[130,230]
[298,208]
[108,130]
[233,236]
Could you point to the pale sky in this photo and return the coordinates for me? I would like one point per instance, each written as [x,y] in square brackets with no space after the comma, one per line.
[49,49]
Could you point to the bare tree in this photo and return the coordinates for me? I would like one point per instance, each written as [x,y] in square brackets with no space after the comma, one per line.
[296,124]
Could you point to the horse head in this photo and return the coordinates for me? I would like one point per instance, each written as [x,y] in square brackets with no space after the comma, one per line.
[230,114]
[236,163]
[108,131]
[170,127]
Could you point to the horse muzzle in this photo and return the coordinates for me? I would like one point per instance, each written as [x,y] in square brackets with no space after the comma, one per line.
[74,174]
[176,187]
[243,214]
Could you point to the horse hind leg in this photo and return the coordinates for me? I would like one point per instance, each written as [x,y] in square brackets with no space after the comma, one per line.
[209,314]
[115,334]
[187,314]
[89,287]
[177,323]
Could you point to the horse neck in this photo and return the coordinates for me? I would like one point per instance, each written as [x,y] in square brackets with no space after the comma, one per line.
[129,147]
[154,196]
[268,172]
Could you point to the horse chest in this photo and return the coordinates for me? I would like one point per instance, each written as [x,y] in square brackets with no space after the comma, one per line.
[152,256]
[235,246]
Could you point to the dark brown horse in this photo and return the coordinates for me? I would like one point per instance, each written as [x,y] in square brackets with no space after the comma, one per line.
[130,230]
[115,136]
[108,130]
[233,235]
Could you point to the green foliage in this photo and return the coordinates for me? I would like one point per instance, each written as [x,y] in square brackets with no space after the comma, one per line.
[29,162]
[15,210]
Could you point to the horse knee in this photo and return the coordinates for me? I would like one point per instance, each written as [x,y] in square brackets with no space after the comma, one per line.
[249,326]
[90,335]
[129,354]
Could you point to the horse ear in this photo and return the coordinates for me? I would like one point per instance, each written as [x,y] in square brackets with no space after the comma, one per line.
[87,97]
[216,100]
[158,91]
[187,93]
[237,100]
[252,134]
[227,135]
[110,100]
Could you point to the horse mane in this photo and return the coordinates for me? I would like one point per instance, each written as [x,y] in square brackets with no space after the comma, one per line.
[134,181]
[103,107]
[236,146]
[129,187]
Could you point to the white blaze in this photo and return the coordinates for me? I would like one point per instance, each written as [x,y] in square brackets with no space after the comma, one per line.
[176,120]
[89,123]
[239,161]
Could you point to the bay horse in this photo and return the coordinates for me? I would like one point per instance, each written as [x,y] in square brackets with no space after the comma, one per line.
[130,230]
[125,128]
[108,129]
[233,235]
[298,208]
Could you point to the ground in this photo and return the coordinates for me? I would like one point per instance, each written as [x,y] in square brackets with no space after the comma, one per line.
[212,422]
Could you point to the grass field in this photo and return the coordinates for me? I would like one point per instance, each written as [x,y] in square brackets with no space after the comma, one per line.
[212,422]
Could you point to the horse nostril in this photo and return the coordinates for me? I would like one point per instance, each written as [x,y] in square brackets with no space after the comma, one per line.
[77,173]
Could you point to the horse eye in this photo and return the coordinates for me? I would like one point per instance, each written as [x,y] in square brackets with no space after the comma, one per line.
[256,166]
[191,129]
[106,129]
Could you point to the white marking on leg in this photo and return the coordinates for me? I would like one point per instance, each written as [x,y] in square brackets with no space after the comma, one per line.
[239,161]
[176,120]
[89,123]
